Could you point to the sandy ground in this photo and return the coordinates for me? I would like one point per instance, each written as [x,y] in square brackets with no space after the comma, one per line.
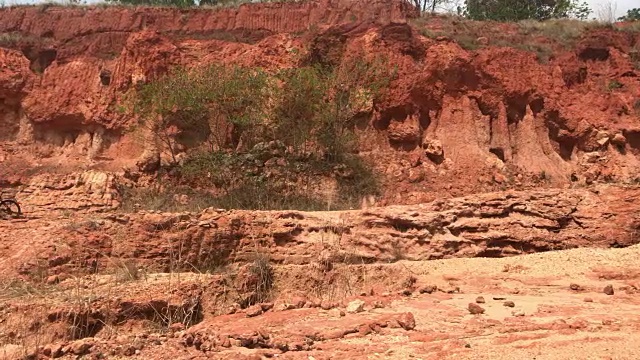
[550,318]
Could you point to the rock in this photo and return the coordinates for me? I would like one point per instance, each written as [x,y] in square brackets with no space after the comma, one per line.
[588,300]
[517,313]
[53,350]
[298,302]
[607,322]
[331,334]
[480,300]
[393,324]
[499,178]
[177,327]
[52,280]
[509,304]
[226,343]
[266,306]
[325,305]
[377,304]
[433,148]
[416,175]
[475,309]
[406,292]
[407,321]
[355,306]
[80,347]
[415,159]
[405,132]
[619,140]
[342,313]
[452,290]
[428,289]
[591,157]
[253,311]
[204,224]
[608,290]
[484,41]
[575,287]
[364,330]
[129,351]
[601,137]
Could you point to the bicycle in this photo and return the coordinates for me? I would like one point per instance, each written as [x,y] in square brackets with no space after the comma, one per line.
[9,206]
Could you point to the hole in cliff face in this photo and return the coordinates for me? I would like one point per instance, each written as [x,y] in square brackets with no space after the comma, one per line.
[327,49]
[487,108]
[516,109]
[397,113]
[85,324]
[499,152]
[105,77]
[403,131]
[401,36]
[460,77]
[505,247]
[9,118]
[427,108]
[425,120]
[561,140]
[199,132]
[537,105]
[595,54]
[39,59]
[633,138]
[572,76]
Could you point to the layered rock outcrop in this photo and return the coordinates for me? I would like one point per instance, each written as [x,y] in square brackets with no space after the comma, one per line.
[455,120]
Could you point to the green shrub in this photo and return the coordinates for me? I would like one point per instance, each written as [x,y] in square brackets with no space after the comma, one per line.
[614,85]
[205,100]
[310,112]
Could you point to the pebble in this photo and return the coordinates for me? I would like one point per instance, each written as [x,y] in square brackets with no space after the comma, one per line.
[480,300]
[355,306]
[428,289]
[509,304]
[475,309]
[575,287]
[407,321]
[608,290]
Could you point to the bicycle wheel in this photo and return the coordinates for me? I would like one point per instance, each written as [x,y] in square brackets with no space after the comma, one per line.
[11,207]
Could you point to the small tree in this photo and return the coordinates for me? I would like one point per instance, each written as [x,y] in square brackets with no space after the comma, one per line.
[632,15]
[300,100]
[352,87]
[430,5]
[197,99]
[516,10]
[176,3]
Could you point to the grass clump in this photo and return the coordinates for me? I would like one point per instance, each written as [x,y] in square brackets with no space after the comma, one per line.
[614,85]
[262,270]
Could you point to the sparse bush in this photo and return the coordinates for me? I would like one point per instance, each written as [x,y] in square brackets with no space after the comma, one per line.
[127,270]
[262,269]
[301,100]
[614,85]
[565,31]
[514,10]
[310,114]
[219,104]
